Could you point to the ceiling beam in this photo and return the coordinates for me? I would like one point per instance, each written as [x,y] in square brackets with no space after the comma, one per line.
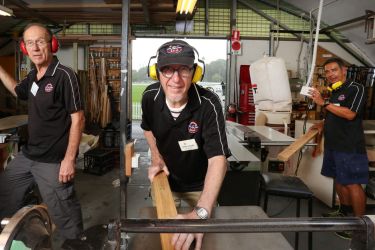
[271,19]
[302,14]
[146,12]
[79,5]
[350,21]
[32,12]
[348,49]
[306,16]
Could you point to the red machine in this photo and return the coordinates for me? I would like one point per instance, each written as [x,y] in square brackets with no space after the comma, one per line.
[246,105]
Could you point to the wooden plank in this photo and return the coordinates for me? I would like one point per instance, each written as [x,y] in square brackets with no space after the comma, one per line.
[129,153]
[14,121]
[297,145]
[165,206]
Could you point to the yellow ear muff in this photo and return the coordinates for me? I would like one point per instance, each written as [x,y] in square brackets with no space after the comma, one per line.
[335,86]
[153,72]
[198,74]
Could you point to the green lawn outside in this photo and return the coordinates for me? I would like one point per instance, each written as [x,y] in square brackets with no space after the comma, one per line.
[137,90]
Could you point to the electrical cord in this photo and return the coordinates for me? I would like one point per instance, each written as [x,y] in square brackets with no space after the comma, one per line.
[299,159]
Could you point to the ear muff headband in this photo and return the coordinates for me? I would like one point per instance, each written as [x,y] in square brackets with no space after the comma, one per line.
[198,70]
[54,46]
[335,86]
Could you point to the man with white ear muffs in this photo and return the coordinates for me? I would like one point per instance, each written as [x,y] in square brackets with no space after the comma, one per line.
[185,128]
[345,158]
[55,124]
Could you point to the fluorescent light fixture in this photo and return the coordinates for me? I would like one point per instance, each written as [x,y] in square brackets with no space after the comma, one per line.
[185,6]
[4,11]
[184,26]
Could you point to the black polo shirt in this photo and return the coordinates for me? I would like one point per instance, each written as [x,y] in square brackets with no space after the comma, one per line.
[50,102]
[201,120]
[341,134]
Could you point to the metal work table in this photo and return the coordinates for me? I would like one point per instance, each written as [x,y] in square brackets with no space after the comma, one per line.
[7,124]
[369,127]
[240,154]
[220,241]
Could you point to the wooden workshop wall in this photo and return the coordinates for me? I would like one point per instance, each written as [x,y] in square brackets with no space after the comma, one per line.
[7,101]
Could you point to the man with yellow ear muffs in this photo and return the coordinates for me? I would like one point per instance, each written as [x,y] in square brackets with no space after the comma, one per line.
[185,128]
[345,157]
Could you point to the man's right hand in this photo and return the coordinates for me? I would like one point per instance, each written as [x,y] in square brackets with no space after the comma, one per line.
[157,165]
[318,139]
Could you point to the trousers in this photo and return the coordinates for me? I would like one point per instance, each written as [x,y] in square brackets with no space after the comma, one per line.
[60,198]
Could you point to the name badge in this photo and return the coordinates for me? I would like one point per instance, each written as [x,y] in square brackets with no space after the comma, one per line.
[337,104]
[188,145]
[34,89]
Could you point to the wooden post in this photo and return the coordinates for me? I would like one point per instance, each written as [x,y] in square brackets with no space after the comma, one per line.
[129,153]
[165,206]
[296,145]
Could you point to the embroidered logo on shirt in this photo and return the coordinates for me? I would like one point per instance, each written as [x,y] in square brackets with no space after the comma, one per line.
[341,98]
[193,127]
[48,88]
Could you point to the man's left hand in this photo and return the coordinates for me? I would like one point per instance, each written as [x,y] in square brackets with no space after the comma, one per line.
[316,97]
[67,171]
[182,241]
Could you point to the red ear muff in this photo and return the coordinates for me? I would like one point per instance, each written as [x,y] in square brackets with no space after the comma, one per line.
[54,44]
[23,48]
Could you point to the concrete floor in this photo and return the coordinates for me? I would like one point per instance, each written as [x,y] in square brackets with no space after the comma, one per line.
[100,200]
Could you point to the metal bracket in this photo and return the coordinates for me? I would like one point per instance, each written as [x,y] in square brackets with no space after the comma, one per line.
[364,241]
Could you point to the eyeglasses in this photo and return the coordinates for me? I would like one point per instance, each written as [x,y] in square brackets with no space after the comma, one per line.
[41,43]
[183,71]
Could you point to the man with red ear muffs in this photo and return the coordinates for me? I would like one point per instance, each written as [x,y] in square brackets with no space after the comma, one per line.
[55,124]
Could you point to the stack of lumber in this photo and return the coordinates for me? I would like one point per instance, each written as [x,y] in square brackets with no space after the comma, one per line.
[97,101]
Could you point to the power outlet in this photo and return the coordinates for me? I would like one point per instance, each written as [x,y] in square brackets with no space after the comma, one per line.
[276,166]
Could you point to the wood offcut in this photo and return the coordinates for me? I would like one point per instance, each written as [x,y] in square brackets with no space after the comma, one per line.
[296,145]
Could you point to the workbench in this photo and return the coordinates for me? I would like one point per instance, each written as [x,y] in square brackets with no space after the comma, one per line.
[6,124]
[14,121]
[369,127]
[241,184]
[268,136]
[219,241]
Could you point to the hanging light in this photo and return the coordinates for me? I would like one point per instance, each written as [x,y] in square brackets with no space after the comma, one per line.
[185,6]
[4,11]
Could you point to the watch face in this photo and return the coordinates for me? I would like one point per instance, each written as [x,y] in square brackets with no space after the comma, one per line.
[201,212]
[326,102]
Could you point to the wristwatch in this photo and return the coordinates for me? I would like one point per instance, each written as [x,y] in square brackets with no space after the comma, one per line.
[326,103]
[201,212]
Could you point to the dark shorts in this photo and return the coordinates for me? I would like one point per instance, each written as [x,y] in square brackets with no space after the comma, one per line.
[345,168]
